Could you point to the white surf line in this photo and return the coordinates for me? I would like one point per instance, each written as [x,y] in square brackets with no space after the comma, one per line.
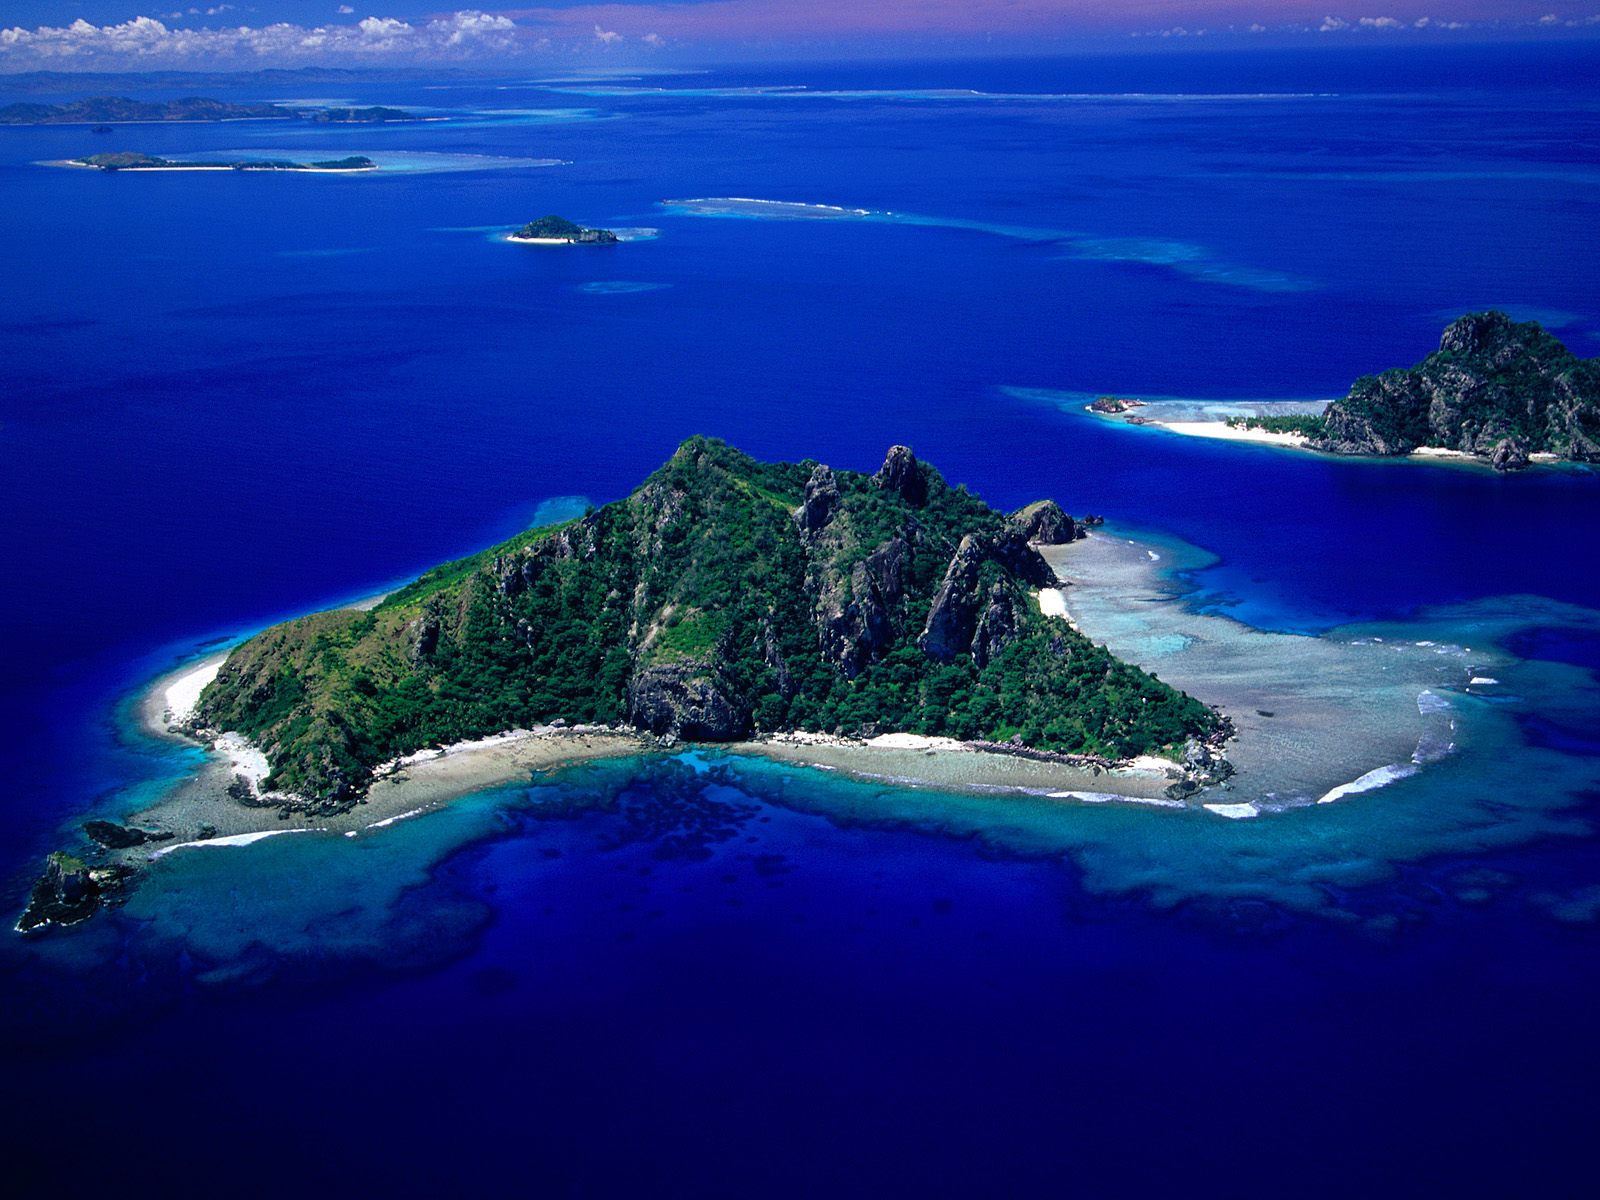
[1116,798]
[1234,812]
[236,839]
[1371,781]
[387,821]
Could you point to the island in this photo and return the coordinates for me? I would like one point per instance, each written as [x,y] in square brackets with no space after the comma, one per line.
[100,110]
[372,115]
[558,231]
[104,110]
[128,160]
[1497,391]
[725,601]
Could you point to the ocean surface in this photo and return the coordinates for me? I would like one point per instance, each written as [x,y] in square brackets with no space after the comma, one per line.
[226,399]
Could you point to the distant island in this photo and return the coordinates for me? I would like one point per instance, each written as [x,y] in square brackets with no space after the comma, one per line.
[120,109]
[130,161]
[101,110]
[1497,391]
[553,231]
[374,115]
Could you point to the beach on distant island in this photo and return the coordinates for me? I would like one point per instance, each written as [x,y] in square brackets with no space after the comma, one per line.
[1180,417]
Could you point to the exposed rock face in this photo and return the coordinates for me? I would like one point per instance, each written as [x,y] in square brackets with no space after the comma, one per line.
[687,701]
[121,837]
[997,625]
[954,617]
[855,631]
[1044,522]
[902,474]
[1509,455]
[1493,383]
[425,635]
[69,891]
[821,500]
[953,620]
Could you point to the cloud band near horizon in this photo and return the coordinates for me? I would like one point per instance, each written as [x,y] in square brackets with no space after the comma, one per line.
[615,30]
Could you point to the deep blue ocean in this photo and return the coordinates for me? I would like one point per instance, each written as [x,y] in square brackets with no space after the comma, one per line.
[226,399]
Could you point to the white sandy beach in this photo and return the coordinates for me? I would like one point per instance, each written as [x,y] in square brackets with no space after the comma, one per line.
[1222,431]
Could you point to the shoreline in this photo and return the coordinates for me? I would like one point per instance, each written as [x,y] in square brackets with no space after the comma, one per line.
[1121,576]
[1220,430]
[1312,721]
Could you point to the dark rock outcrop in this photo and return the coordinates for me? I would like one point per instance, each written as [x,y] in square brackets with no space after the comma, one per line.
[425,636]
[685,700]
[1044,522]
[821,500]
[121,837]
[997,625]
[1509,455]
[856,625]
[953,620]
[902,474]
[69,891]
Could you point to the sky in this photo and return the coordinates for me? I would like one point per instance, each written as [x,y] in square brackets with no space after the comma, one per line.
[168,34]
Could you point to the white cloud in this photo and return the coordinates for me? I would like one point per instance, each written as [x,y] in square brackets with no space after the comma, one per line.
[1381,23]
[1332,24]
[606,36]
[146,41]
[1258,28]
[1549,19]
[654,39]
[345,10]
[473,26]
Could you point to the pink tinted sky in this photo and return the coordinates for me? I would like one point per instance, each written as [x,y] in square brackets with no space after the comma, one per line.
[124,34]
[784,20]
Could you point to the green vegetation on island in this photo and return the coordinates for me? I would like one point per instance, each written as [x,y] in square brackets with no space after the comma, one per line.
[101,109]
[1495,388]
[725,597]
[560,229]
[128,160]
[1308,425]
[372,115]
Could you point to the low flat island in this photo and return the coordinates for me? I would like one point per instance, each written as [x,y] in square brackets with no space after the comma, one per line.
[128,160]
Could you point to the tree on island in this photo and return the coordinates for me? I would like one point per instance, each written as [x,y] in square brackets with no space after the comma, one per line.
[553,228]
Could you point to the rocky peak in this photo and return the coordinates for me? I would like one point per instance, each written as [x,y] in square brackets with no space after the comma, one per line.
[1045,523]
[821,500]
[902,474]
[1474,332]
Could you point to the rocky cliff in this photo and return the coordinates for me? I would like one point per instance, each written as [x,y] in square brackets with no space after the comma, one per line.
[1495,388]
[724,597]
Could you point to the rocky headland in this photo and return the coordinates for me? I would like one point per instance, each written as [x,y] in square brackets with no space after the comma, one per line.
[1496,389]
